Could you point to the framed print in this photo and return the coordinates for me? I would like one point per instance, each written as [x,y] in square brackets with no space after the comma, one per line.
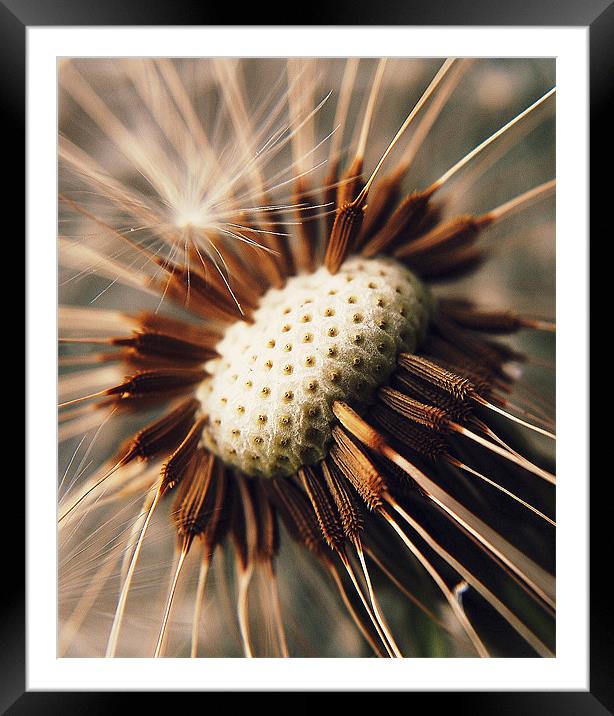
[307,349]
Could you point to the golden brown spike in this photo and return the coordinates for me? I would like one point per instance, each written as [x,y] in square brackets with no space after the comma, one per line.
[457,386]
[188,514]
[468,315]
[351,183]
[425,392]
[352,422]
[447,355]
[474,348]
[431,417]
[384,197]
[268,533]
[324,508]
[454,234]
[239,522]
[409,212]
[142,349]
[356,467]
[175,467]
[148,384]
[296,512]
[419,439]
[450,264]
[349,512]
[158,383]
[166,346]
[190,289]
[216,506]
[191,517]
[163,434]
[343,235]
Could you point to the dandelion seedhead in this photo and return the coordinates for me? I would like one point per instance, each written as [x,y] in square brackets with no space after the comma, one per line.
[287,433]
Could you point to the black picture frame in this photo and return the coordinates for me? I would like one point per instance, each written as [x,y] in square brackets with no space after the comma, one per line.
[598,16]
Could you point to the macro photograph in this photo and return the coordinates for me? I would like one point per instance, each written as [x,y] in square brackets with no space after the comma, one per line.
[306,350]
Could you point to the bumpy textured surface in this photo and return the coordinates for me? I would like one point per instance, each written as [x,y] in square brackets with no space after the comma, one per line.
[319,339]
